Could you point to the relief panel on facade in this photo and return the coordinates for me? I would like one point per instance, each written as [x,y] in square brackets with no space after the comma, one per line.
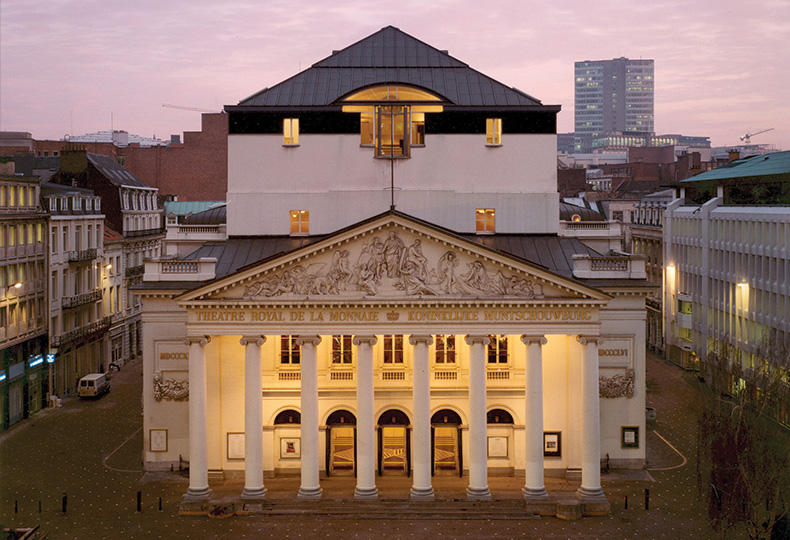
[392,265]
[617,386]
[168,389]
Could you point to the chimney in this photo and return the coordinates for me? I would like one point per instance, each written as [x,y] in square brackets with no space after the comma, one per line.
[74,160]
[733,155]
[175,139]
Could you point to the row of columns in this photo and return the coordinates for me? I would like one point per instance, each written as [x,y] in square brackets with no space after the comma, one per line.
[310,487]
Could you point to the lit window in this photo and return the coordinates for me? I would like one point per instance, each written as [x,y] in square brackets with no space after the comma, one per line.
[497,350]
[417,128]
[576,217]
[290,352]
[493,131]
[366,131]
[485,220]
[392,93]
[445,349]
[300,222]
[393,349]
[341,349]
[291,131]
[392,138]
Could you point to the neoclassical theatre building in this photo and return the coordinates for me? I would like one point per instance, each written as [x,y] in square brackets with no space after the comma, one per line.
[392,296]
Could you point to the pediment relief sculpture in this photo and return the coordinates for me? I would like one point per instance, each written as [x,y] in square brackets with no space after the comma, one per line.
[390,266]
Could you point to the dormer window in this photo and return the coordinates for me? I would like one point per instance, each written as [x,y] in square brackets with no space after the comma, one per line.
[485,220]
[300,222]
[493,131]
[392,129]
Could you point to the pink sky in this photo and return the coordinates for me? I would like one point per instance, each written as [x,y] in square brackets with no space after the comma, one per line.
[69,66]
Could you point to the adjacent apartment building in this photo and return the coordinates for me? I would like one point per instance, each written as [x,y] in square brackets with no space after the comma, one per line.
[727,261]
[391,296]
[23,300]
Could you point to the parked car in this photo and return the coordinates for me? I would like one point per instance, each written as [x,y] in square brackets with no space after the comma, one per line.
[93,385]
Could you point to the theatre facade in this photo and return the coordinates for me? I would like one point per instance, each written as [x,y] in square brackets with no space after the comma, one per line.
[346,333]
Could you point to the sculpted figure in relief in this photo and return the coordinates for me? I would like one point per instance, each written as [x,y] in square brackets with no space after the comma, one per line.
[392,262]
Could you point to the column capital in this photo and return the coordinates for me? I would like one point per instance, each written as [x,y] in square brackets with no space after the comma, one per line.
[414,339]
[200,340]
[312,340]
[529,340]
[483,340]
[253,340]
[369,340]
[587,340]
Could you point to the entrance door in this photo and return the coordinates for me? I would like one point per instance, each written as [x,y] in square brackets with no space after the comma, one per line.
[445,450]
[393,450]
[342,453]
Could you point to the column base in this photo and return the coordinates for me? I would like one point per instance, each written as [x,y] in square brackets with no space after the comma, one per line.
[366,494]
[421,494]
[478,494]
[309,494]
[535,494]
[253,494]
[197,494]
[591,493]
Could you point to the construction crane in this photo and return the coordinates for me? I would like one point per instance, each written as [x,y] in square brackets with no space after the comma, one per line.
[747,137]
[196,109]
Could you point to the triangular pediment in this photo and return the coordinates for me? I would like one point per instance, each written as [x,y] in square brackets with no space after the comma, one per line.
[393,259]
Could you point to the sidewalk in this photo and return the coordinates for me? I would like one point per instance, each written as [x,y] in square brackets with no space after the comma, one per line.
[91,450]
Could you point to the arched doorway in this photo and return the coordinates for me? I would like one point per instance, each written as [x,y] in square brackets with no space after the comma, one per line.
[394,456]
[341,447]
[287,442]
[499,431]
[446,442]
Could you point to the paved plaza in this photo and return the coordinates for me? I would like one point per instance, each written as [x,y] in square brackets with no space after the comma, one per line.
[91,451]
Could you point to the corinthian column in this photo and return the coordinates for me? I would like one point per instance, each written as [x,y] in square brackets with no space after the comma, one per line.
[198,411]
[534,488]
[366,429]
[421,430]
[591,420]
[310,488]
[253,419]
[478,451]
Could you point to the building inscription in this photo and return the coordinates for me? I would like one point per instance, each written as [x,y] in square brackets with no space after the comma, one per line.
[296,316]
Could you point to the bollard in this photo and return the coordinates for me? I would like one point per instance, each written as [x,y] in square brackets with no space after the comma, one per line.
[647,499]
[16,507]
[139,501]
[65,501]
[626,502]
[39,507]
[160,504]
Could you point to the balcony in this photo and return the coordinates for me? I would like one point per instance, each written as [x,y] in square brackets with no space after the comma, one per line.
[685,321]
[94,328]
[140,233]
[167,269]
[135,271]
[83,255]
[81,299]
[615,267]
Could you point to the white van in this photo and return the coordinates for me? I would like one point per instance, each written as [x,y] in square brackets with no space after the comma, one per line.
[93,385]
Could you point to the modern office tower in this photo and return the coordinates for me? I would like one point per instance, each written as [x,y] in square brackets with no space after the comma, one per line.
[612,96]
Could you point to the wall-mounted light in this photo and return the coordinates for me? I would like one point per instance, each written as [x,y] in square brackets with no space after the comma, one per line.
[108,267]
[18,285]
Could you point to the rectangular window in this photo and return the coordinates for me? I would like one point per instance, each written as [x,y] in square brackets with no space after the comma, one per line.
[341,350]
[445,349]
[485,220]
[617,215]
[392,139]
[291,131]
[497,350]
[393,349]
[300,221]
[417,128]
[2,195]
[21,196]
[290,352]
[366,131]
[11,196]
[494,131]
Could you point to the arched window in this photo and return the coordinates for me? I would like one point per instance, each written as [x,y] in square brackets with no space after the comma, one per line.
[288,416]
[341,417]
[499,416]
[446,416]
[393,417]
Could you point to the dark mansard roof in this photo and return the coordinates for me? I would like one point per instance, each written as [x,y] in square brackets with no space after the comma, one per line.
[390,56]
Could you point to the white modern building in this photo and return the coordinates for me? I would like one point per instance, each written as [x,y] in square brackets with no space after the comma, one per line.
[727,260]
[392,296]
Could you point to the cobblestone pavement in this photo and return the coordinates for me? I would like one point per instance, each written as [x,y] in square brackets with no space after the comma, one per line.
[91,451]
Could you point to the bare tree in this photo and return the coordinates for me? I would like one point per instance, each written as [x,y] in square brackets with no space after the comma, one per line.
[743,456]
